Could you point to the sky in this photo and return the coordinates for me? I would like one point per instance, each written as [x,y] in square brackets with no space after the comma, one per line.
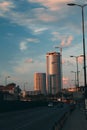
[31,28]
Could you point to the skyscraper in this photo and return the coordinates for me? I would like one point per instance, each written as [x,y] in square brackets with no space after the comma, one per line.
[40,82]
[53,75]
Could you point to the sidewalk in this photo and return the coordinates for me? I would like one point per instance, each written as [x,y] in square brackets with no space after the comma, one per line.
[76,121]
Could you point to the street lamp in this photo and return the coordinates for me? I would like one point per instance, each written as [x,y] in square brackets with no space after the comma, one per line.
[77,68]
[83,33]
[25,85]
[75,76]
[6,79]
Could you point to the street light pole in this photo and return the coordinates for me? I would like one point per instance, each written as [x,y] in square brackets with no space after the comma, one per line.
[75,77]
[77,72]
[83,34]
[6,79]
[25,83]
[77,68]
[84,46]
[84,55]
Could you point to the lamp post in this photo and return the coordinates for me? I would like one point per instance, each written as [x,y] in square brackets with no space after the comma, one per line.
[84,55]
[25,85]
[77,68]
[75,76]
[83,34]
[6,79]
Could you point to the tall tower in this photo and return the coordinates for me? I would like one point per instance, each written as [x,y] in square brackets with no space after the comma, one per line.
[40,82]
[54,77]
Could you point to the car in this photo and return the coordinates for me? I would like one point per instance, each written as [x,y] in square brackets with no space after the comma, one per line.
[50,104]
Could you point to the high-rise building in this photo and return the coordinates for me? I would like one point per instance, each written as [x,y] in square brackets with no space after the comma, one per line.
[53,75]
[40,82]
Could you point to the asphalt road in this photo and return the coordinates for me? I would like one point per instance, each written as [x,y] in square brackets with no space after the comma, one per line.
[42,118]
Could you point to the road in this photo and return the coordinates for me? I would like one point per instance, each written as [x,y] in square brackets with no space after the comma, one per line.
[42,118]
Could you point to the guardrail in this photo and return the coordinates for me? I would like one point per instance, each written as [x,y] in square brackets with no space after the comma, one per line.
[63,117]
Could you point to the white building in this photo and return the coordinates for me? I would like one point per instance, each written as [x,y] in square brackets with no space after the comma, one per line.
[53,77]
[40,82]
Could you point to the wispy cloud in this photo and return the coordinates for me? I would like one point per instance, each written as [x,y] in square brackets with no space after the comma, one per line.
[51,4]
[21,67]
[35,18]
[25,19]
[65,40]
[24,44]
[30,60]
[59,36]
[39,30]
[44,15]
[33,40]
[5,6]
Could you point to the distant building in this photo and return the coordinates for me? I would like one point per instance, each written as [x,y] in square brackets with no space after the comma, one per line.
[40,82]
[29,93]
[10,88]
[9,92]
[53,76]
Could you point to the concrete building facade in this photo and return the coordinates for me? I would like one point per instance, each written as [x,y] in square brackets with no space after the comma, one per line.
[53,74]
[40,82]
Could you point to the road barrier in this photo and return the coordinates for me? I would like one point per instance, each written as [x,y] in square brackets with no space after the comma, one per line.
[63,117]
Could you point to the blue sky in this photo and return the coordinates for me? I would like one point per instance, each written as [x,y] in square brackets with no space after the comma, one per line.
[31,28]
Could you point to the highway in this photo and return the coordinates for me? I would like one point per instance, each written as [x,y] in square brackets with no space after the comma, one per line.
[42,118]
